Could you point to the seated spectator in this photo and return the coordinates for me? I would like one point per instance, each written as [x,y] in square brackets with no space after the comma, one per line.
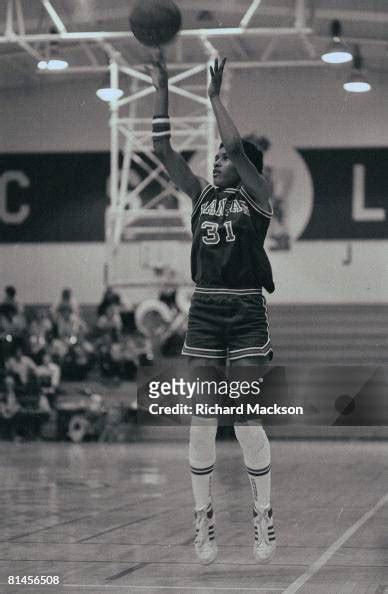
[6,325]
[12,321]
[117,359]
[32,407]
[9,408]
[22,370]
[122,307]
[41,323]
[69,324]
[70,349]
[109,298]
[66,303]
[49,369]
[49,376]
[15,326]
[6,344]
[38,335]
[10,306]
[110,322]
[20,366]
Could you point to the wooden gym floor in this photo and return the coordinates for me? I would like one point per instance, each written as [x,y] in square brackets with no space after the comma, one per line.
[118,518]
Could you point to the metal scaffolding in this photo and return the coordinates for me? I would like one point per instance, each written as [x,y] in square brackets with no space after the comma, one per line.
[128,216]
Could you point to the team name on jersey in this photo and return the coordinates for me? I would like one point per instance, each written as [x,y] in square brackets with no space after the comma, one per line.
[217,207]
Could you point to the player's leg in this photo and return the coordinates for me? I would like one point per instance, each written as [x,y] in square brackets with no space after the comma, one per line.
[202,456]
[250,345]
[257,457]
[205,350]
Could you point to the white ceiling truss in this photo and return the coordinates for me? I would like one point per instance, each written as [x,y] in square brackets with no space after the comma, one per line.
[253,33]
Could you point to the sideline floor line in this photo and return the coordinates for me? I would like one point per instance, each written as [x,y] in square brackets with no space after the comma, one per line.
[323,559]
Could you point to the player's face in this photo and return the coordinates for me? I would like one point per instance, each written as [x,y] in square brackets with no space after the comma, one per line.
[224,172]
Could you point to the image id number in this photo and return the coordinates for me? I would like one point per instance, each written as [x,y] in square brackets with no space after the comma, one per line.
[33,580]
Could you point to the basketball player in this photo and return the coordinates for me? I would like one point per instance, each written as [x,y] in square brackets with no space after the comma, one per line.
[227,318]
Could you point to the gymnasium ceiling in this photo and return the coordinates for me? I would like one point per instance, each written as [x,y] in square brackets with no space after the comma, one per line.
[25,24]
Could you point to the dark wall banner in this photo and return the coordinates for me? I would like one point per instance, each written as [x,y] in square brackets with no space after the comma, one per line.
[62,197]
[350,193]
[48,197]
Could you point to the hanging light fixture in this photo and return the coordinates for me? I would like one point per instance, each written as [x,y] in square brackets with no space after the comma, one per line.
[53,64]
[357,82]
[53,61]
[337,52]
[110,90]
[108,93]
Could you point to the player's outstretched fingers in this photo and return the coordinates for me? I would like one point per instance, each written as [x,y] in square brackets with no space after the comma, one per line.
[159,56]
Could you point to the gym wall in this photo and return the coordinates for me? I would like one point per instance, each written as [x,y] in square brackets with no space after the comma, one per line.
[332,259]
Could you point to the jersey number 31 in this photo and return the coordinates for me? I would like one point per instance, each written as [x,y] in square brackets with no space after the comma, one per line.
[212,236]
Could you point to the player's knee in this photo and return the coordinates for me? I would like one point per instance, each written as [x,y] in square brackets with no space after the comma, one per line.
[253,440]
[202,451]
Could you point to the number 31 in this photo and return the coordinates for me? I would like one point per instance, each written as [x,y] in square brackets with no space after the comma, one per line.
[212,236]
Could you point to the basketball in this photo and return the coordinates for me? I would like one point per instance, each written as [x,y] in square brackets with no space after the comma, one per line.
[155,22]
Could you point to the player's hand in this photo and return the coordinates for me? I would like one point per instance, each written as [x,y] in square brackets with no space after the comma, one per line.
[216,73]
[158,70]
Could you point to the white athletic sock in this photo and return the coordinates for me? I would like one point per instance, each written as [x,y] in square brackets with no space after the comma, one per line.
[257,458]
[202,458]
[201,480]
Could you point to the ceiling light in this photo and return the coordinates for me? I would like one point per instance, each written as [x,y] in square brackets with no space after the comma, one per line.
[337,52]
[53,64]
[357,86]
[54,60]
[109,93]
[57,64]
[110,90]
[357,82]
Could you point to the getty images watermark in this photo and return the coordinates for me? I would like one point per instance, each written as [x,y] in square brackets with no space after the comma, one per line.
[181,397]
[330,395]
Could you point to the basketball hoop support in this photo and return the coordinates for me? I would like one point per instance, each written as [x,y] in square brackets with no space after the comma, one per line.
[131,137]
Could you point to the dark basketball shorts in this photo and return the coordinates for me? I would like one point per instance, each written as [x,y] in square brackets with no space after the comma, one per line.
[228,323]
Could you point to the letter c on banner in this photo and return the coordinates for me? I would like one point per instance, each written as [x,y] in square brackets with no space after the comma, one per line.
[13,218]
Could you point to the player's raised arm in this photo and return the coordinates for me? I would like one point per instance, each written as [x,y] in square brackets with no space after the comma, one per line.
[255,183]
[175,165]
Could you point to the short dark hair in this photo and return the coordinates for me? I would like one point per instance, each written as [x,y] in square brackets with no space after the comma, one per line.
[253,153]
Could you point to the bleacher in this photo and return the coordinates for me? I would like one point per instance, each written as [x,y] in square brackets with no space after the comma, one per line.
[341,334]
[329,334]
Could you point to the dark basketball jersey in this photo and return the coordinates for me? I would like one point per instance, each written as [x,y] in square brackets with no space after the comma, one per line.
[229,230]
